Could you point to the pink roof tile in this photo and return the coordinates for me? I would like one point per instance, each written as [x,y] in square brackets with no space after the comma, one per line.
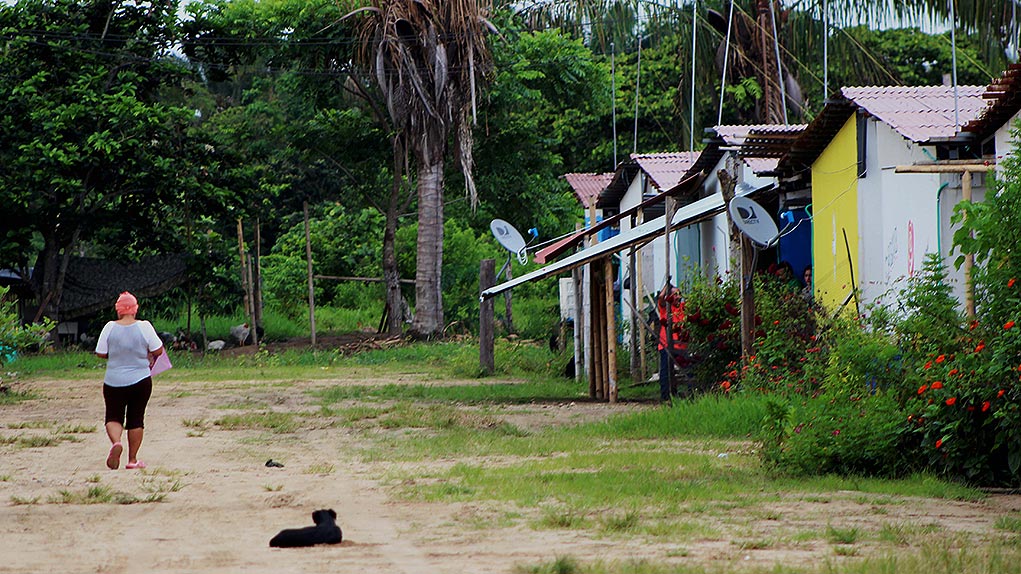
[587,186]
[920,113]
[665,170]
[761,164]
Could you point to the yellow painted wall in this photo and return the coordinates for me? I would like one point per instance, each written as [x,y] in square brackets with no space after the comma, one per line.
[835,210]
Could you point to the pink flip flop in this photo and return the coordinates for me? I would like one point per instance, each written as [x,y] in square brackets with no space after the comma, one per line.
[138,464]
[113,460]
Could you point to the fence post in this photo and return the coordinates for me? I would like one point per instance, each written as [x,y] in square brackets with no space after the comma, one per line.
[487,278]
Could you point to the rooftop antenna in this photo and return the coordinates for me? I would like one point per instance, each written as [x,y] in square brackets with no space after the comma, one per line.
[825,51]
[779,64]
[638,80]
[726,61]
[613,100]
[953,64]
[691,125]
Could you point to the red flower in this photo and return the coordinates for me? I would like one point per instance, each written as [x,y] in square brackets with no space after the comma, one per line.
[941,358]
[928,365]
[953,372]
[922,389]
[1008,325]
[939,442]
[1011,282]
[979,348]
[726,324]
[726,386]
[951,401]
[937,385]
[985,406]
[836,432]
[1000,394]
[972,326]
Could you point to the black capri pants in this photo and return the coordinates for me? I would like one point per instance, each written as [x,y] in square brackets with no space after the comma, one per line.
[128,401]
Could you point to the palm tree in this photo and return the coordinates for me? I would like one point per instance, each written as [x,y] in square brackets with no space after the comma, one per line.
[800,26]
[430,59]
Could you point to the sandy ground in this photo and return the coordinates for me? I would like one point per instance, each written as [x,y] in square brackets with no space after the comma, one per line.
[222,504]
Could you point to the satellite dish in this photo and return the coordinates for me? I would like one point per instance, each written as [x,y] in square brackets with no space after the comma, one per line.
[510,238]
[753,220]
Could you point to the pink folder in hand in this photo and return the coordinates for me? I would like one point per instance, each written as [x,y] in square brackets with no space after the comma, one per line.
[162,364]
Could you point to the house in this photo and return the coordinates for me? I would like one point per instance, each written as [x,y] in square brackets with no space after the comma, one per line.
[873,221]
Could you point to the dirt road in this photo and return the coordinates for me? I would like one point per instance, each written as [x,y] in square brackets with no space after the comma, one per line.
[219,504]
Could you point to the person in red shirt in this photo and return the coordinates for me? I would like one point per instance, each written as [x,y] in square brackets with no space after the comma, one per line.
[676,352]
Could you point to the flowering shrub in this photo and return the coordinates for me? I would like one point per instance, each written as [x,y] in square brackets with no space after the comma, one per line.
[851,422]
[785,340]
[713,321]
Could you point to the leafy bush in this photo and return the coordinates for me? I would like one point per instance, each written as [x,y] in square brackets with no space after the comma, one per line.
[713,322]
[852,421]
[15,337]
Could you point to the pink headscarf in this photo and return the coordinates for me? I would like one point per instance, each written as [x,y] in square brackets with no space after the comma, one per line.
[126,304]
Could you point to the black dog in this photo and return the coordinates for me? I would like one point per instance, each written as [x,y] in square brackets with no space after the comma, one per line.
[325,531]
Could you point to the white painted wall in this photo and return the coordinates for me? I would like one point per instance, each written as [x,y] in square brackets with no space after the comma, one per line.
[1004,140]
[903,216]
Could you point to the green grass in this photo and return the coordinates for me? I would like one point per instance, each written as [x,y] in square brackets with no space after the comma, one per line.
[707,416]
[986,558]
[10,397]
[842,535]
[39,441]
[69,428]
[278,422]
[1009,523]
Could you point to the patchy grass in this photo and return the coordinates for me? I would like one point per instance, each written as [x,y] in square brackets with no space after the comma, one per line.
[1009,523]
[277,422]
[320,468]
[36,441]
[30,425]
[69,428]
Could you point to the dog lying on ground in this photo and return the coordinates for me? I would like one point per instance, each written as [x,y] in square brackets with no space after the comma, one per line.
[325,531]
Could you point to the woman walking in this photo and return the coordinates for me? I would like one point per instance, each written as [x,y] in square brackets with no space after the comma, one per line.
[130,347]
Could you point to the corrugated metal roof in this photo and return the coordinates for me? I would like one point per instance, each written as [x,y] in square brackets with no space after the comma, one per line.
[736,135]
[587,186]
[665,170]
[920,113]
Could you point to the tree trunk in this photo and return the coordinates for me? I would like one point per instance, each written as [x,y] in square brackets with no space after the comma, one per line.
[391,275]
[428,322]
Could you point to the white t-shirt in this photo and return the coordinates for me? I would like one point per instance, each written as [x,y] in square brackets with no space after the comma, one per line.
[127,347]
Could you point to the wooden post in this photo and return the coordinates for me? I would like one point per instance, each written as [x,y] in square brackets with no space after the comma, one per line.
[611,332]
[747,297]
[668,321]
[635,315]
[251,301]
[507,303]
[244,272]
[487,278]
[311,284]
[638,284]
[257,281]
[579,356]
[596,312]
[969,258]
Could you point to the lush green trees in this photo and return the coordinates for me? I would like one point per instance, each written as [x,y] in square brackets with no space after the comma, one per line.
[89,147]
[429,61]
